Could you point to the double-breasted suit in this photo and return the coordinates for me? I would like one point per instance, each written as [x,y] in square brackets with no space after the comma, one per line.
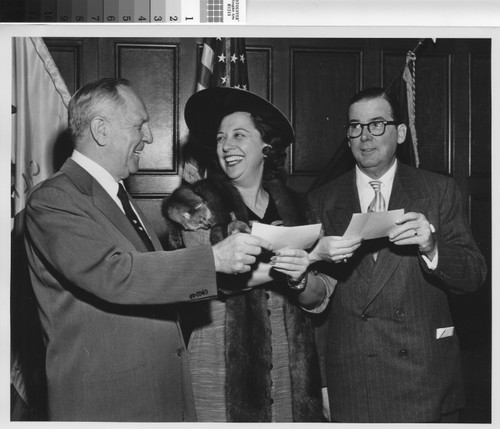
[388,358]
[115,351]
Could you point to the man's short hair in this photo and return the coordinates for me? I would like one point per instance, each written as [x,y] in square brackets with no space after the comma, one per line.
[91,100]
[376,92]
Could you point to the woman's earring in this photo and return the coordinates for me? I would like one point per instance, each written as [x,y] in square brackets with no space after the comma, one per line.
[265,150]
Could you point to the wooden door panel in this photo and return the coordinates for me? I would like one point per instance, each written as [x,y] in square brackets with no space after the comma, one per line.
[153,71]
[259,63]
[480,111]
[322,82]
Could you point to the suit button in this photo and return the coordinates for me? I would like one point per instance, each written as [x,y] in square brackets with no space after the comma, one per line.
[180,351]
[267,295]
[403,353]
[272,401]
[400,314]
[269,312]
[365,317]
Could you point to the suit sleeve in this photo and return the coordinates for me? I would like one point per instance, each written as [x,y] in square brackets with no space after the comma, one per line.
[80,249]
[461,267]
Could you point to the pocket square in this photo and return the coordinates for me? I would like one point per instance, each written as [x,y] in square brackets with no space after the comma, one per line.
[444,332]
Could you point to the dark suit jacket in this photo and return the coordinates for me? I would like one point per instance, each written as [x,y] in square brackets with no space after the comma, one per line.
[113,353]
[384,363]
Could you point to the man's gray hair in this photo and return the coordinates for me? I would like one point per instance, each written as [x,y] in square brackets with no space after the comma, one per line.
[91,100]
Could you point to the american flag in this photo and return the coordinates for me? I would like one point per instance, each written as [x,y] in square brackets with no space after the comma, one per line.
[223,63]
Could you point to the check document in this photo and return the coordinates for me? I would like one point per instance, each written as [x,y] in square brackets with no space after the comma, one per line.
[292,237]
[372,225]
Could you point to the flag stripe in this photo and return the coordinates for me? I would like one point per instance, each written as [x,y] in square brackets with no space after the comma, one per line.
[205,75]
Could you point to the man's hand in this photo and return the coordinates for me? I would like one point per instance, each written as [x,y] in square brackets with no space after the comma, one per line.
[334,249]
[414,228]
[236,253]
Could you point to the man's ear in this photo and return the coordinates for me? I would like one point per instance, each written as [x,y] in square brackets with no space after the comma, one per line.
[99,129]
[401,133]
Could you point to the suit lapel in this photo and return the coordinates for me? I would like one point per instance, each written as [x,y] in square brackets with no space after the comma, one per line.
[346,203]
[103,202]
[405,194]
[339,216]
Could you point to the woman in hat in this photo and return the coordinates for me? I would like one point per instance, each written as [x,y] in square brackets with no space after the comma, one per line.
[252,354]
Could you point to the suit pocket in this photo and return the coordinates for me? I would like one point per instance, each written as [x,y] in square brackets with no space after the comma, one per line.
[124,395]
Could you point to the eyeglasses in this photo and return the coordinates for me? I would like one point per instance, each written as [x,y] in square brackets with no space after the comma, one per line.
[376,128]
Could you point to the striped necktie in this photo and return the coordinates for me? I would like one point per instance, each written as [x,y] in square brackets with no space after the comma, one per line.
[377,204]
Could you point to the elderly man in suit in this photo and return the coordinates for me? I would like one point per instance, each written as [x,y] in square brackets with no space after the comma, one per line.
[105,288]
[392,354]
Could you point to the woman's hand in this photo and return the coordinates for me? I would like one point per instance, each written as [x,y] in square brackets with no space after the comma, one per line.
[334,249]
[291,262]
[261,274]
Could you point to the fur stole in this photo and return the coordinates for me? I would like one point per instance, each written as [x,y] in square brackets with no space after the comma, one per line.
[247,326]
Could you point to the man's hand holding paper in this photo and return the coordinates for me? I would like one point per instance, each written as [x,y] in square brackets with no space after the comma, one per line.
[372,225]
[291,237]
[363,226]
[289,244]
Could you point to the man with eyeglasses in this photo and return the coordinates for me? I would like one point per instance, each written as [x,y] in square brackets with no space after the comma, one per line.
[392,354]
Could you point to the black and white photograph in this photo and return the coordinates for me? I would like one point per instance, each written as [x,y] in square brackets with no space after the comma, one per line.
[217,226]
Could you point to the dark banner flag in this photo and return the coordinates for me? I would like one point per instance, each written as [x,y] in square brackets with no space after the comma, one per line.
[402,88]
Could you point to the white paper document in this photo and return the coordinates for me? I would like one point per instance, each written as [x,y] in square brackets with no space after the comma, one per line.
[444,332]
[372,225]
[292,237]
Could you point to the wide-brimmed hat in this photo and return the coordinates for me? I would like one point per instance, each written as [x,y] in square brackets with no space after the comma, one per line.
[205,110]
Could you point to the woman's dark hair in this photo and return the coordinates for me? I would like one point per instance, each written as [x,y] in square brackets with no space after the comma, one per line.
[275,156]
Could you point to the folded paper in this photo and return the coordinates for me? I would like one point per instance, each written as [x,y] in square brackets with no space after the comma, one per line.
[372,225]
[292,237]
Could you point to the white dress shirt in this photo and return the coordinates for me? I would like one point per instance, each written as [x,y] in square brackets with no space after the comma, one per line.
[105,179]
[366,194]
[365,190]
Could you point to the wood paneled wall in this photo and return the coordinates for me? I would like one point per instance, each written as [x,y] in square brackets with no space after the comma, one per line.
[311,81]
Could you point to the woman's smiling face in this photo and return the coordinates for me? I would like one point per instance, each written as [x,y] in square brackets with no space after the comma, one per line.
[239,148]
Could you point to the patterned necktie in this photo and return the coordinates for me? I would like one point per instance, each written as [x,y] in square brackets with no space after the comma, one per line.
[132,217]
[377,204]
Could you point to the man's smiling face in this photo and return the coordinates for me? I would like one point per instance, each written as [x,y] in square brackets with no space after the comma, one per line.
[375,154]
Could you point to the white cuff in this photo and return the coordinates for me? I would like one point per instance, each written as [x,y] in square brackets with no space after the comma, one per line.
[431,264]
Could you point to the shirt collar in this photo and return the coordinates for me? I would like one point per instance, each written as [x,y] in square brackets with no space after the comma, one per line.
[387,178]
[99,173]
[365,190]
